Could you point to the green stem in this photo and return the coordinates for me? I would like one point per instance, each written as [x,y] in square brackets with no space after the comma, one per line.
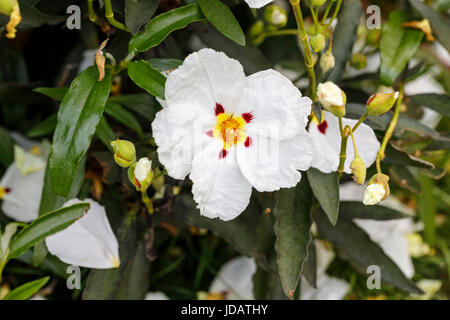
[274,33]
[314,16]
[353,141]
[361,120]
[109,14]
[92,15]
[343,152]
[304,41]
[327,11]
[390,130]
[336,10]
[147,201]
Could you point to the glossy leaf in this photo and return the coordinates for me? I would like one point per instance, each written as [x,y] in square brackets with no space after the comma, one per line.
[222,19]
[105,133]
[162,64]
[162,25]
[26,290]
[146,77]
[44,128]
[122,115]
[56,93]
[78,116]
[326,190]
[292,229]
[398,45]
[141,103]
[45,226]
[138,12]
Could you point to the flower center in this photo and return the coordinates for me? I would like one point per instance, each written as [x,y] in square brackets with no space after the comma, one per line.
[4,191]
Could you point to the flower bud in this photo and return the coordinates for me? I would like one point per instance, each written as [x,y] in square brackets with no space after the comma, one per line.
[6,6]
[124,152]
[359,170]
[318,3]
[141,174]
[380,103]
[332,98]
[358,61]
[275,16]
[377,190]
[255,33]
[373,37]
[327,62]
[317,42]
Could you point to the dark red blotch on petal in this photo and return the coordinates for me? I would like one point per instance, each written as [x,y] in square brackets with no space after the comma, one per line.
[223,154]
[7,190]
[323,127]
[248,117]
[248,142]
[210,133]
[218,109]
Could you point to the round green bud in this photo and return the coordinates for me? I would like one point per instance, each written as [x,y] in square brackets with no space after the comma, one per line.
[327,62]
[359,170]
[318,3]
[380,103]
[124,152]
[317,42]
[373,37]
[256,29]
[358,61]
[275,16]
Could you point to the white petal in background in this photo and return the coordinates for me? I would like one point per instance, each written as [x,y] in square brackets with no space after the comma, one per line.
[257,3]
[89,242]
[156,295]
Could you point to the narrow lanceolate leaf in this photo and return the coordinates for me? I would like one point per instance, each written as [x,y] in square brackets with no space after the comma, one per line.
[292,229]
[6,147]
[122,115]
[325,187]
[223,19]
[57,93]
[403,176]
[105,133]
[43,128]
[398,45]
[439,24]
[438,102]
[146,77]
[357,210]
[162,64]
[45,226]
[138,12]
[361,251]
[162,25]
[26,290]
[78,116]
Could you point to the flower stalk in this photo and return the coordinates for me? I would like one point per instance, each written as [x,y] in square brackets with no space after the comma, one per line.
[109,14]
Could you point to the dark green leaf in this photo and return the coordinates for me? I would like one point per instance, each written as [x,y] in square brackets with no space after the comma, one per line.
[6,147]
[396,156]
[138,12]
[39,253]
[267,285]
[162,25]
[404,177]
[44,128]
[438,102]
[426,206]
[317,108]
[357,210]
[33,18]
[361,251]
[26,290]
[57,93]
[398,45]
[45,226]
[162,64]
[105,133]
[122,115]
[310,266]
[146,77]
[142,104]
[223,19]
[78,116]
[292,229]
[326,190]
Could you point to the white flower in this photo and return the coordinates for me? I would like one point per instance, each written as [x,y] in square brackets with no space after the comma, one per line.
[257,3]
[21,185]
[416,246]
[143,168]
[235,279]
[429,286]
[89,242]
[231,132]
[327,144]
[373,194]
[156,295]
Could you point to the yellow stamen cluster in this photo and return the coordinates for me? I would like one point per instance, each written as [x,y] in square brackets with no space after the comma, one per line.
[230,129]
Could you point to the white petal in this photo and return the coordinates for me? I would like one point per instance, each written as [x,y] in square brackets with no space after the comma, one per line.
[324,256]
[22,202]
[89,242]
[270,164]
[257,3]
[328,145]
[27,162]
[277,106]
[157,295]
[180,132]
[235,278]
[219,188]
[205,78]
[328,288]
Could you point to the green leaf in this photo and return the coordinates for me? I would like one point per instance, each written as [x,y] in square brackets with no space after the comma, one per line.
[403,176]
[292,229]
[439,24]
[39,253]
[398,45]
[396,156]
[438,102]
[122,115]
[361,251]
[78,116]
[141,103]
[357,210]
[162,25]
[33,18]
[325,187]
[44,128]
[146,77]
[344,36]
[26,290]
[310,266]
[6,147]
[105,133]
[45,226]
[138,12]
[223,19]
[267,285]
[162,64]
[57,93]
[426,206]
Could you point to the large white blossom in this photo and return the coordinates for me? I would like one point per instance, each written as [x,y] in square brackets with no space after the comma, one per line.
[327,143]
[88,242]
[257,3]
[231,132]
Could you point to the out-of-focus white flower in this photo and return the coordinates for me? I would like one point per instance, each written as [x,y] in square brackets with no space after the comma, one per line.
[429,287]
[257,3]
[373,194]
[327,143]
[417,247]
[231,132]
[157,295]
[88,59]
[88,242]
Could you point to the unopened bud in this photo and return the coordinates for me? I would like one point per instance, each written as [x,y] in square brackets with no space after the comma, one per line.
[318,3]
[327,62]
[332,98]
[358,61]
[317,42]
[377,190]
[124,152]
[275,16]
[141,174]
[255,33]
[359,170]
[373,37]
[380,103]
[6,6]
